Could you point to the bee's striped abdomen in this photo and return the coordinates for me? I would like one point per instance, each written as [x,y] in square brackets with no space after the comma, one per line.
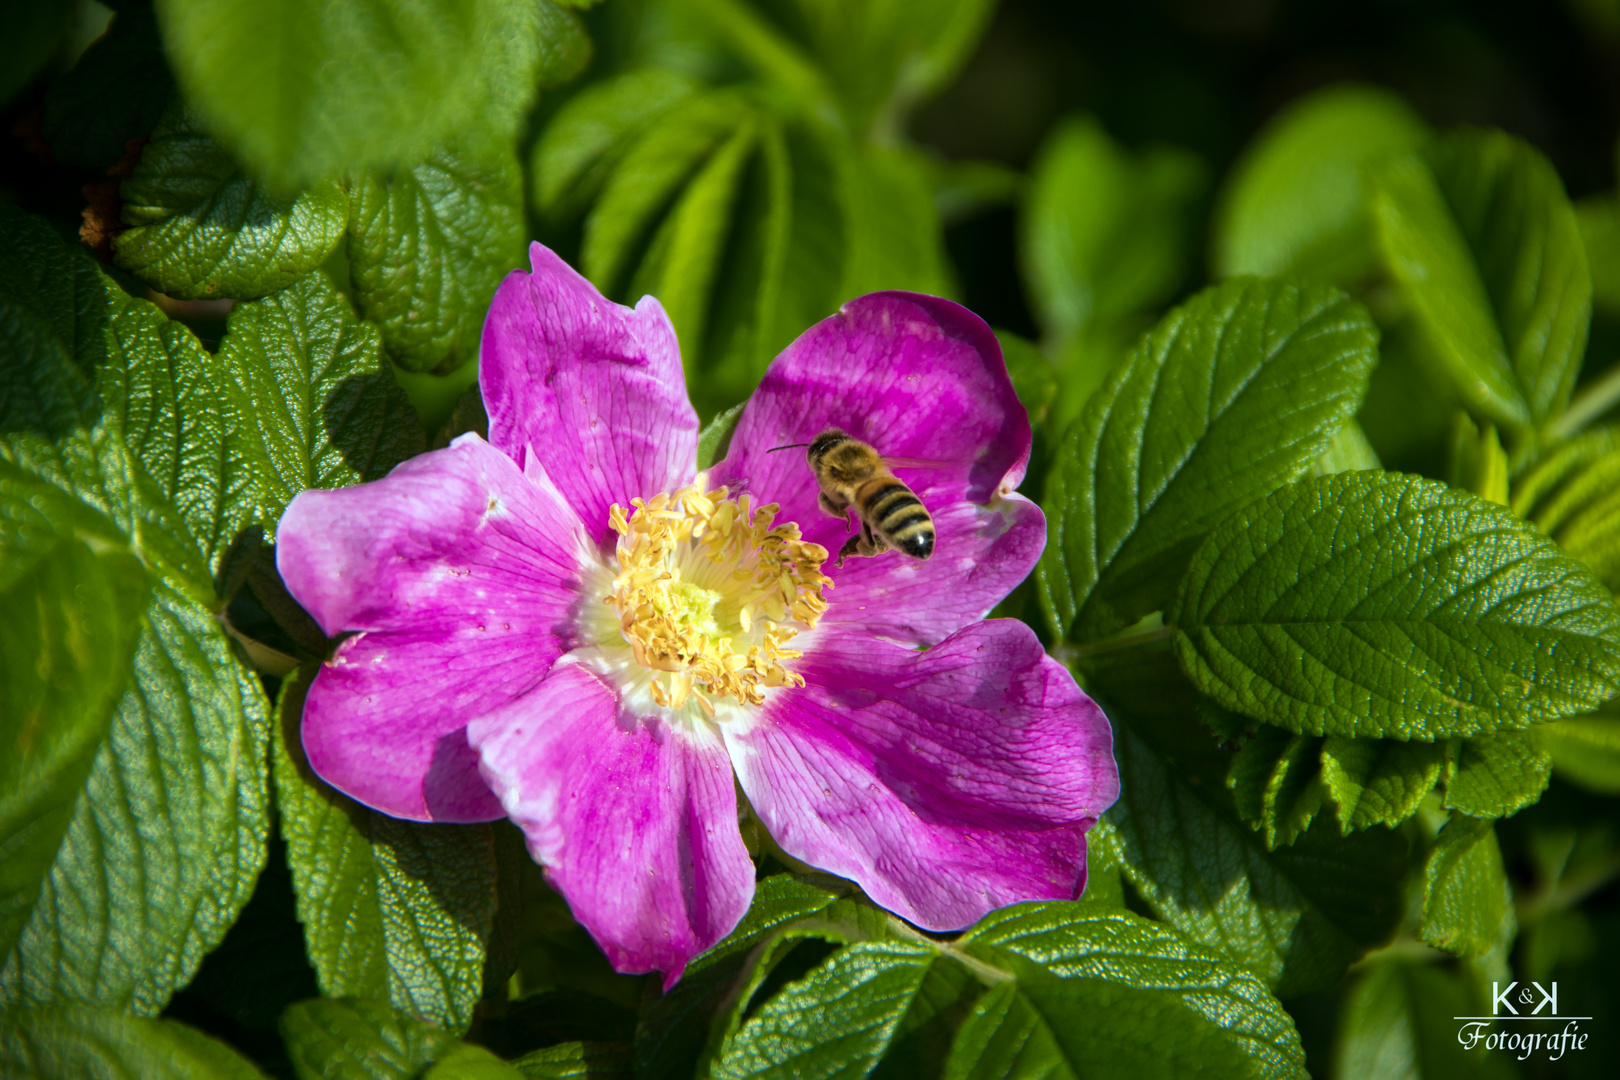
[899,516]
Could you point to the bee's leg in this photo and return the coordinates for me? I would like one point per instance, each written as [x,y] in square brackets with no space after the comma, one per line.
[832,509]
[850,547]
[871,543]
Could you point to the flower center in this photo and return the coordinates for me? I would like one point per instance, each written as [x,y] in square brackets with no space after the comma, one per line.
[710,593]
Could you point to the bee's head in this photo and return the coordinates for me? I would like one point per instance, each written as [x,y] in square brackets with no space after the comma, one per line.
[825,442]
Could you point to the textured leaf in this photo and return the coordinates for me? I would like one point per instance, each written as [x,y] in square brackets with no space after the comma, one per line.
[1586,750]
[1297,916]
[1297,201]
[671,1032]
[324,411]
[1105,234]
[356,1039]
[1497,775]
[169,398]
[1389,1019]
[428,245]
[72,1042]
[73,592]
[1467,902]
[836,1021]
[578,1061]
[1277,785]
[1122,996]
[1378,781]
[1234,394]
[1379,605]
[199,227]
[1483,241]
[116,92]
[391,909]
[169,834]
[304,89]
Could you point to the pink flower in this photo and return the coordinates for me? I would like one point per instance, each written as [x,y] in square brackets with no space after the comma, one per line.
[568,626]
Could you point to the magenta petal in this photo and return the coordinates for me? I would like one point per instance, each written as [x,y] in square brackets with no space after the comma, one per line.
[636,823]
[917,377]
[945,783]
[460,576]
[981,553]
[592,389]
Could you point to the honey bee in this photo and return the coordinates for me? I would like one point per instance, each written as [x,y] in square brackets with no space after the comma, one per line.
[853,473]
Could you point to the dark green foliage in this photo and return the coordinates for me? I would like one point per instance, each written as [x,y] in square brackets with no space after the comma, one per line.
[1365,720]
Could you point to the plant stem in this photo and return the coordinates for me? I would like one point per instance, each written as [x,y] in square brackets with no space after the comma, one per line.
[1121,641]
[1592,402]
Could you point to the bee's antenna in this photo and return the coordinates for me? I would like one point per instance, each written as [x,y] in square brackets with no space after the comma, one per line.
[786,446]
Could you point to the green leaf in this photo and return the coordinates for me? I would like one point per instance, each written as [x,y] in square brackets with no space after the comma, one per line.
[116,92]
[715,438]
[1482,240]
[355,1039]
[1497,775]
[1234,394]
[1380,605]
[199,227]
[1573,495]
[1105,234]
[648,177]
[33,33]
[671,1032]
[578,1061]
[836,1021]
[1297,916]
[683,258]
[892,234]
[302,90]
[1349,450]
[467,1062]
[318,408]
[71,1042]
[1586,750]
[392,910]
[592,131]
[168,397]
[1397,1020]
[1478,462]
[1467,901]
[1598,218]
[1378,781]
[1118,995]
[74,593]
[169,834]
[429,244]
[1297,201]
[1277,785]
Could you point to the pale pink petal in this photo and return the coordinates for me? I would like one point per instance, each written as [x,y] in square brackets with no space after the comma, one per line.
[635,822]
[946,783]
[591,389]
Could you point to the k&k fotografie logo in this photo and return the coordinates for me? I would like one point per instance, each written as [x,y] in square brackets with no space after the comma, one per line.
[1523,1023]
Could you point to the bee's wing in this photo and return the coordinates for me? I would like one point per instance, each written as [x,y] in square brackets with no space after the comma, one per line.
[917,463]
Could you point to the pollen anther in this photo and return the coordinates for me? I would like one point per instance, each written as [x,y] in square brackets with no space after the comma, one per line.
[709,593]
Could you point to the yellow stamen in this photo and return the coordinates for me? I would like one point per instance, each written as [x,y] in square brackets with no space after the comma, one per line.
[686,627]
